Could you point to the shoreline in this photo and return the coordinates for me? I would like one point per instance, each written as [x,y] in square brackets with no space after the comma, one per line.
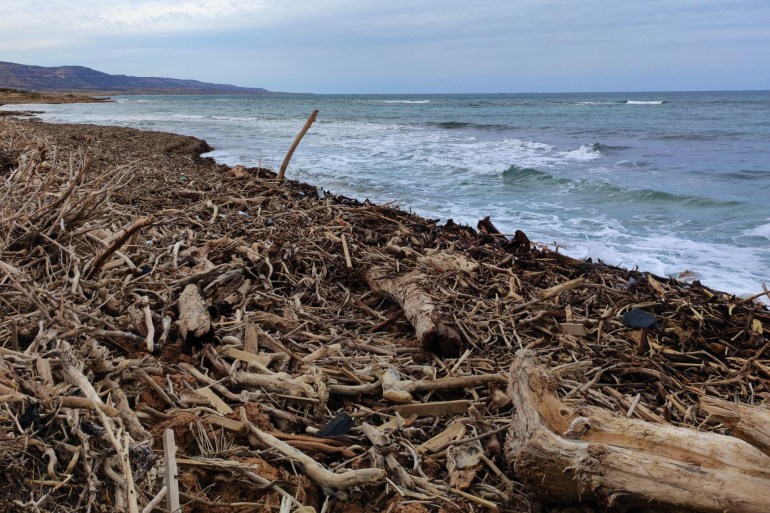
[21,97]
[593,228]
[17,96]
[301,320]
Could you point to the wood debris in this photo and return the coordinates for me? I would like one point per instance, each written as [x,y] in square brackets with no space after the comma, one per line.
[173,335]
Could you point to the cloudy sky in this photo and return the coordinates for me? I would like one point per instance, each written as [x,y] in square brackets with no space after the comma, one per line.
[401,46]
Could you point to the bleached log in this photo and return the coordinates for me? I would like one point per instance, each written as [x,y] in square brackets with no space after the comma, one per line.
[434,331]
[592,455]
[747,422]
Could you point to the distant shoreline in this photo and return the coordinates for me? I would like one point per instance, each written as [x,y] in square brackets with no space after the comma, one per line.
[16,96]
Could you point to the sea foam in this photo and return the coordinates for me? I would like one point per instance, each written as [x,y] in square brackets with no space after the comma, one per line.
[760,231]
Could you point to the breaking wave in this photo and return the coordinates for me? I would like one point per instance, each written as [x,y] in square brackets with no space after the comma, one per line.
[645,102]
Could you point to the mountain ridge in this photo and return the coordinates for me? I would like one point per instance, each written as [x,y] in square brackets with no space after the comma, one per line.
[88,80]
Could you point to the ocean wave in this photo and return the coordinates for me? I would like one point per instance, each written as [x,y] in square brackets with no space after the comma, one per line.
[528,176]
[667,254]
[608,148]
[645,102]
[529,145]
[747,174]
[395,101]
[584,152]
[760,231]
[600,103]
[633,164]
[452,125]
[189,116]
[711,135]
[619,194]
[653,196]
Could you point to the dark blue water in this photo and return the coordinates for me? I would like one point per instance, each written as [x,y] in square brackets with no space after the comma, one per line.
[668,182]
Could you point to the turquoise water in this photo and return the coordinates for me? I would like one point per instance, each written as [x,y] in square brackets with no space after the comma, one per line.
[666,182]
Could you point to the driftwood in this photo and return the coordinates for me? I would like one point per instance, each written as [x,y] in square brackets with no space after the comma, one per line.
[194,319]
[749,423]
[116,241]
[171,482]
[593,455]
[300,135]
[433,330]
[331,483]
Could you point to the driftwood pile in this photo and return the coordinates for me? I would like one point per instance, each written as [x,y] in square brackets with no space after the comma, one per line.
[178,334]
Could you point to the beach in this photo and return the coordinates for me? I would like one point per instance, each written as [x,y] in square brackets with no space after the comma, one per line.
[153,295]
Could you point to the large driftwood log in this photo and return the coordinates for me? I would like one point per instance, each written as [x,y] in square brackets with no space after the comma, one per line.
[750,423]
[434,332]
[595,456]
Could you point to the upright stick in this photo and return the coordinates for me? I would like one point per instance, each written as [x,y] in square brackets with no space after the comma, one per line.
[294,145]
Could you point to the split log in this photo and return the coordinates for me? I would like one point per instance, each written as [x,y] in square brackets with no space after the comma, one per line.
[749,423]
[193,316]
[434,331]
[596,456]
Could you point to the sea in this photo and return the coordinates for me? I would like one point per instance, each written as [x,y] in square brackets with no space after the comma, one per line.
[674,183]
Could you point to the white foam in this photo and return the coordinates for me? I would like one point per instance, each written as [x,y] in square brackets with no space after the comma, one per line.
[760,231]
[529,145]
[397,101]
[585,152]
[720,266]
[640,102]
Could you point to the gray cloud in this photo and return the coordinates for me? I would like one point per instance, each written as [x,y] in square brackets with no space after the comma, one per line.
[400,46]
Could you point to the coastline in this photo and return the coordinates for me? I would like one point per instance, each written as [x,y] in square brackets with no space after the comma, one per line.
[16,96]
[590,201]
[289,274]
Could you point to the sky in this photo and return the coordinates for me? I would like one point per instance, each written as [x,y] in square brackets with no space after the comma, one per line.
[404,46]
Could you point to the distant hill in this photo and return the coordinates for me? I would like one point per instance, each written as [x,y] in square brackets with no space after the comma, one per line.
[87,80]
